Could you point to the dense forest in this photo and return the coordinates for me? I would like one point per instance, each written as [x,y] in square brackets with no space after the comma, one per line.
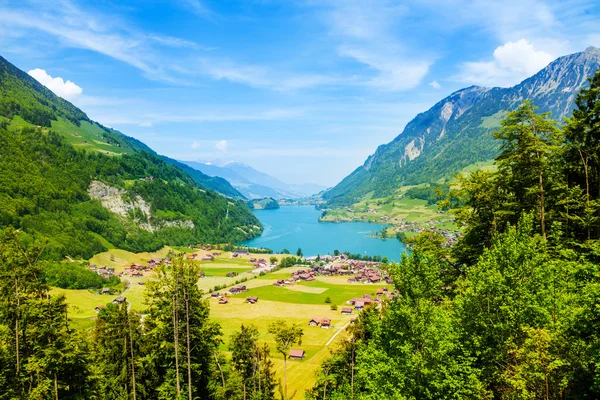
[511,311]
[45,182]
[44,192]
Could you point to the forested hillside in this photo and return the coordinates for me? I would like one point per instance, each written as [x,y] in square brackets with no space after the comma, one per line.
[45,186]
[511,311]
[457,131]
[24,102]
[88,188]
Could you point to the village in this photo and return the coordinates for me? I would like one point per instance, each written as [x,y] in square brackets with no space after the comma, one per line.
[343,287]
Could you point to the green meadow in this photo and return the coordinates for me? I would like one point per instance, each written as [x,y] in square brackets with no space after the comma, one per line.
[296,303]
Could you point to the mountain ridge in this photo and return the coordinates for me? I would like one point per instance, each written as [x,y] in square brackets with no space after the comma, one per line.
[252,183]
[85,188]
[456,131]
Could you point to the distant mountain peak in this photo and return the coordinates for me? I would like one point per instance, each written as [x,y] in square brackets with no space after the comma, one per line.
[456,131]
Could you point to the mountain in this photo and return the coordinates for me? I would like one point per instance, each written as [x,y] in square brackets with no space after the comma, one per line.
[252,183]
[86,188]
[456,132]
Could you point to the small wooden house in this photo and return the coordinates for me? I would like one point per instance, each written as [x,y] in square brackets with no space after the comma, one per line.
[314,321]
[223,300]
[346,310]
[296,354]
[326,323]
[251,299]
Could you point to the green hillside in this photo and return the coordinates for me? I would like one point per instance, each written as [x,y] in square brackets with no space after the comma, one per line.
[24,102]
[88,188]
[457,131]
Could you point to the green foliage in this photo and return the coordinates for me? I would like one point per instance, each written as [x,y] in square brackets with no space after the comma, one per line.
[74,276]
[44,192]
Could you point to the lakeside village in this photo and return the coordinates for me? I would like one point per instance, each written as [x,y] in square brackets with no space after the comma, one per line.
[305,269]
[400,227]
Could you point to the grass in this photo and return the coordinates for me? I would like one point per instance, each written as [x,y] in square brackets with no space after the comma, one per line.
[307,293]
[301,374]
[295,304]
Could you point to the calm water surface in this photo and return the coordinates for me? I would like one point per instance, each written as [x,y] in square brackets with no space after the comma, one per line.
[298,226]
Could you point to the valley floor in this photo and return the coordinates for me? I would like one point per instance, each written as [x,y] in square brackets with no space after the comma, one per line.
[296,303]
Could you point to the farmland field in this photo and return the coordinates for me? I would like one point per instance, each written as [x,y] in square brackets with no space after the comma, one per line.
[296,303]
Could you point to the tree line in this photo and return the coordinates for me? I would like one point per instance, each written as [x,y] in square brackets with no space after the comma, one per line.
[174,351]
[511,311]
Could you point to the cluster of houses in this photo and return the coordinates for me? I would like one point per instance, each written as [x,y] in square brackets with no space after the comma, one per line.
[200,257]
[358,272]
[450,235]
[361,302]
[102,270]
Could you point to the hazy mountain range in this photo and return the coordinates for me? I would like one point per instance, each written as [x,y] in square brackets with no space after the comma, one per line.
[252,183]
[456,132]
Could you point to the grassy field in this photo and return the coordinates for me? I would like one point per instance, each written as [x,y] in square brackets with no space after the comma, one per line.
[301,374]
[297,303]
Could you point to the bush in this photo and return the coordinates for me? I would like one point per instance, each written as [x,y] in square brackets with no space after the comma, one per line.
[327,300]
[333,307]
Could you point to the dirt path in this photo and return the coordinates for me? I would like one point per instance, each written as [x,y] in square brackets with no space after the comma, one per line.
[337,333]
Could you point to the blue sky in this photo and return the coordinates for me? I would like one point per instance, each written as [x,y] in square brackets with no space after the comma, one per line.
[304,90]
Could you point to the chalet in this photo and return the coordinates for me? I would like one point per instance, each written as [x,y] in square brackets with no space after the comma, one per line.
[119,300]
[98,308]
[237,289]
[253,260]
[314,321]
[216,253]
[154,262]
[326,323]
[223,300]
[359,305]
[207,257]
[105,291]
[215,294]
[346,310]
[251,300]
[374,278]
[379,291]
[279,282]
[241,252]
[296,354]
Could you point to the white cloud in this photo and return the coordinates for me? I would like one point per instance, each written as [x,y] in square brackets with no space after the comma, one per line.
[512,62]
[196,145]
[146,124]
[222,146]
[67,90]
[435,84]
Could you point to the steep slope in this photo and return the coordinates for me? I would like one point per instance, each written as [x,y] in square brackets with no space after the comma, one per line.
[253,183]
[215,183]
[456,132]
[24,102]
[84,202]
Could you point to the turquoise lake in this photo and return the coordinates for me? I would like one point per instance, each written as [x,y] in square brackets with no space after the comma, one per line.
[294,227]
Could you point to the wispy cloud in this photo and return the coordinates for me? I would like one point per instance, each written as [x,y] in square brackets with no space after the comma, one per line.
[366,34]
[139,118]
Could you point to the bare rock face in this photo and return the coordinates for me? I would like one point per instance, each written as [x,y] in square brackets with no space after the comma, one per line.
[457,131]
[112,199]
